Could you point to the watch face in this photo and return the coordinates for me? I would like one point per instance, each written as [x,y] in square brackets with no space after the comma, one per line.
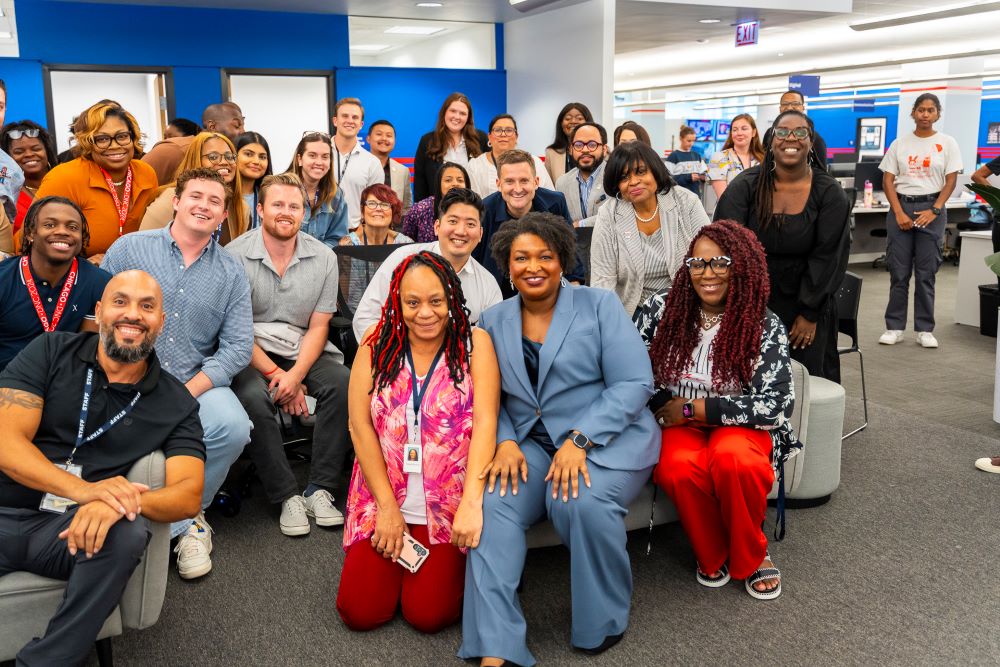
[580,440]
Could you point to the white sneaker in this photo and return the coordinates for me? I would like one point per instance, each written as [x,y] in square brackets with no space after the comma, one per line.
[293,521]
[193,549]
[320,506]
[891,337]
[926,339]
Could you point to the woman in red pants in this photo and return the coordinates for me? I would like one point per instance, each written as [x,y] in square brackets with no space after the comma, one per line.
[721,364]
[423,403]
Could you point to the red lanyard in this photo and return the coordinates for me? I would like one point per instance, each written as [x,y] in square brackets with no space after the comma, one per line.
[36,301]
[120,206]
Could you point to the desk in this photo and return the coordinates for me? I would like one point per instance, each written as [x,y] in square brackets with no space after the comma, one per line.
[972,272]
[865,247]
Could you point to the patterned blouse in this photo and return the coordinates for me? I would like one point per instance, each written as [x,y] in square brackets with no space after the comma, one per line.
[766,403]
[418,223]
[726,165]
[445,430]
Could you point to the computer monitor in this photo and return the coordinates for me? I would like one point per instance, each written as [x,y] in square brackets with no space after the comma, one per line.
[867,171]
[845,158]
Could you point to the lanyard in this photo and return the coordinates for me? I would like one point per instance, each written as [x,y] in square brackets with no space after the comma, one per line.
[120,206]
[418,396]
[85,407]
[347,161]
[36,301]
[364,239]
[254,218]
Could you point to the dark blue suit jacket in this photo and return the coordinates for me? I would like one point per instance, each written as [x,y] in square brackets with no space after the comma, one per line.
[495,214]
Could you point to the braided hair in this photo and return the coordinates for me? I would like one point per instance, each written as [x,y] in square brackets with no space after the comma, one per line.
[389,340]
[31,222]
[764,196]
[737,344]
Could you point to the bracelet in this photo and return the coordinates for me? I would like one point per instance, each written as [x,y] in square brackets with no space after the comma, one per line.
[271,372]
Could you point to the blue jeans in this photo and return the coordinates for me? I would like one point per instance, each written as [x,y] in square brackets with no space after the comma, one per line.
[227,432]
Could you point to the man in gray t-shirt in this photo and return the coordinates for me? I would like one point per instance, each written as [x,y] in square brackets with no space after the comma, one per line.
[293,285]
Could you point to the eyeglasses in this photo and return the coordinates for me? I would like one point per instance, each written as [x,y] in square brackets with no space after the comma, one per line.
[374,204]
[31,133]
[798,133]
[314,133]
[720,265]
[104,140]
[589,145]
[792,105]
[504,131]
[215,157]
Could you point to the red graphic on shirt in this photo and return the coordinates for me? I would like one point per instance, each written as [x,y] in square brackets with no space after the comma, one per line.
[919,166]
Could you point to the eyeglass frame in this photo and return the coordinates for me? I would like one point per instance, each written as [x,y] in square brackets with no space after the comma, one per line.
[688,261]
[504,131]
[98,139]
[16,133]
[587,145]
[375,204]
[798,132]
[219,157]
[323,135]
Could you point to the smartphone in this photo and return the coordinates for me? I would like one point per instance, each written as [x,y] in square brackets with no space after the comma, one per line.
[413,554]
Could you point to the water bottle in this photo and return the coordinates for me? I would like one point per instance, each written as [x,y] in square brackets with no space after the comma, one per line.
[869,194]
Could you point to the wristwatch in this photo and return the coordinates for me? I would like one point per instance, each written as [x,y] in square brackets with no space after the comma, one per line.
[935,210]
[581,441]
[688,410]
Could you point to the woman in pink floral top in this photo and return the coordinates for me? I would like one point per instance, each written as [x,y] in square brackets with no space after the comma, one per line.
[423,402]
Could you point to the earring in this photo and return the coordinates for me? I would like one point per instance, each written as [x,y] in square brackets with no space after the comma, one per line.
[511,283]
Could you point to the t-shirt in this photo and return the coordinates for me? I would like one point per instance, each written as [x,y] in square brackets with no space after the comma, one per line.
[19,323]
[994,166]
[921,164]
[54,367]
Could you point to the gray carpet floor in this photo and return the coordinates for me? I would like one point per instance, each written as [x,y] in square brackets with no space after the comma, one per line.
[899,568]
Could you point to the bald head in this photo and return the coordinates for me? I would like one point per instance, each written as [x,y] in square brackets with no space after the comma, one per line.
[130,316]
[225,118]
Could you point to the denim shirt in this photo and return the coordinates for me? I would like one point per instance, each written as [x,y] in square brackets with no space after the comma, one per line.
[329,222]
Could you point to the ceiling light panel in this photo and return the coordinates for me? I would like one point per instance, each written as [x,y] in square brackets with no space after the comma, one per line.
[413,30]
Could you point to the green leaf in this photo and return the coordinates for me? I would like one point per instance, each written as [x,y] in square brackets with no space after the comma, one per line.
[989,193]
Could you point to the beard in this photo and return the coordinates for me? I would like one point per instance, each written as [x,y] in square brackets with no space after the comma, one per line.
[126,354]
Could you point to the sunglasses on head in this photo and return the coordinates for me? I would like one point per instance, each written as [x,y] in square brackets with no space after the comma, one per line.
[31,133]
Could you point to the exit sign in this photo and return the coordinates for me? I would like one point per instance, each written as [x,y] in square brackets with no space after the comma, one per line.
[746,33]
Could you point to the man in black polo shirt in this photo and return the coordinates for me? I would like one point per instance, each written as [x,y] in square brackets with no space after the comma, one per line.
[51,287]
[76,412]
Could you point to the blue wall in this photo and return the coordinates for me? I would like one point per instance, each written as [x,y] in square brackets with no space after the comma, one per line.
[197,43]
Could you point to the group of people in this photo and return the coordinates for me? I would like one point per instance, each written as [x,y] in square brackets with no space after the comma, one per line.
[205,309]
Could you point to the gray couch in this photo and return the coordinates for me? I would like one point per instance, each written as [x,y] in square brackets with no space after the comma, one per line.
[28,601]
[813,474]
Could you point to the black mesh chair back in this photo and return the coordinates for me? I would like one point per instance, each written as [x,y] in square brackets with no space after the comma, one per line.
[583,238]
[848,304]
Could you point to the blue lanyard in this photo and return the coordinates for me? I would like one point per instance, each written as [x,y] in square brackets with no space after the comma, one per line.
[85,407]
[418,396]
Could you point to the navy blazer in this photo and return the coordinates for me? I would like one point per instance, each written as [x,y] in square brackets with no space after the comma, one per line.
[594,376]
[495,214]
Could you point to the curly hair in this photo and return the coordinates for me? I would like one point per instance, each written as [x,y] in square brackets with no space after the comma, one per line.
[91,120]
[549,227]
[383,193]
[31,222]
[737,343]
[388,340]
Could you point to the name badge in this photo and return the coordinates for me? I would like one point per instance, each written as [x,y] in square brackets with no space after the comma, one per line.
[412,458]
[57,504]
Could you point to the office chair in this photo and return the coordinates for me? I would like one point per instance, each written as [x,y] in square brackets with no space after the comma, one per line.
[583,238]
[848,302]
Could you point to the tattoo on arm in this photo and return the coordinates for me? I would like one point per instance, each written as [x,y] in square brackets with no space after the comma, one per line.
[20,399]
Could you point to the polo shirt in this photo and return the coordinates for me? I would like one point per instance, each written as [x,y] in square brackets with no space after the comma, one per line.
[479,287]
[54,368]
[209,325]
[309,284]
[354,172]
[19,323]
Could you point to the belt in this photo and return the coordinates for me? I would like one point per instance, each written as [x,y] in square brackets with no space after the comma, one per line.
[912,199]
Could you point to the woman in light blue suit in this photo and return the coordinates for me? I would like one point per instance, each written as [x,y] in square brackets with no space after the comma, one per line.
[576,443]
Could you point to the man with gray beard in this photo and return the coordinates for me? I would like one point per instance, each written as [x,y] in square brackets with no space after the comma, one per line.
[76,412]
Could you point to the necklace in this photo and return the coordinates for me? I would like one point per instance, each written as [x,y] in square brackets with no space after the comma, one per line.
[30,189]
[118,183]
[709,321]
[638,217]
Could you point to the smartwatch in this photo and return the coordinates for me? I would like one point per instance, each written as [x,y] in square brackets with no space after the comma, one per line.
[935,210]
[581,441]
[688,410]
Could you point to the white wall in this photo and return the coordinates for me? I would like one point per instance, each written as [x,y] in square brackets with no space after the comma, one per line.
[560,56]
[74,92]
[265,104]
[473,47]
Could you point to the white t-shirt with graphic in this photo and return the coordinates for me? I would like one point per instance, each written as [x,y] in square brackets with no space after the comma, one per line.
[921,164]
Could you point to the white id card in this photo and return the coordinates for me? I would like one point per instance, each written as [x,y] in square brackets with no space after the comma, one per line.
[412,462]
[57,504]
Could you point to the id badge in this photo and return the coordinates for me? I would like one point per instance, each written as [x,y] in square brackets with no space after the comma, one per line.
[57,504]
[412,458]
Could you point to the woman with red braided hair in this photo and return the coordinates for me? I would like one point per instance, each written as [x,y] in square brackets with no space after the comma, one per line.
[423,404]
[724,400]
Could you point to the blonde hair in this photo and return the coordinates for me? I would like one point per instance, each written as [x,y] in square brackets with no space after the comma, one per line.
[91,120]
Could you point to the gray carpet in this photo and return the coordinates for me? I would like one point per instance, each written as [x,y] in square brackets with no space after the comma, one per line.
[898,568]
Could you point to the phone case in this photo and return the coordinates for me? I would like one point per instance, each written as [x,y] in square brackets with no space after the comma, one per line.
[413,554]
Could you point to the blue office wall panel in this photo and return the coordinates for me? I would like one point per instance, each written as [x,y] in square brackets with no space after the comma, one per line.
[410,98]
[838,125]
[194,89]
[25,89]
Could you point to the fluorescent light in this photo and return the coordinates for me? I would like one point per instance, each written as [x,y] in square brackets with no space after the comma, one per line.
[430,4]
[5,35]
[369,47]
[947,12]
[412,30]
[707,21]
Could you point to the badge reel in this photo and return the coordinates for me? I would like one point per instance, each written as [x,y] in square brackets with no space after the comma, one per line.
[58,504]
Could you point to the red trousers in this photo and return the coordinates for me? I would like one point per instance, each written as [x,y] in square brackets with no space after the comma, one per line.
[372,587]
[719,478]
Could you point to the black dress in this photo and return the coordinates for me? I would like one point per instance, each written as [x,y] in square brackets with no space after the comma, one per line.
[806,259]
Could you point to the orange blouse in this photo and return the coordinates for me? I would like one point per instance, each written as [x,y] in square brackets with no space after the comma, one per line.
[81,181]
